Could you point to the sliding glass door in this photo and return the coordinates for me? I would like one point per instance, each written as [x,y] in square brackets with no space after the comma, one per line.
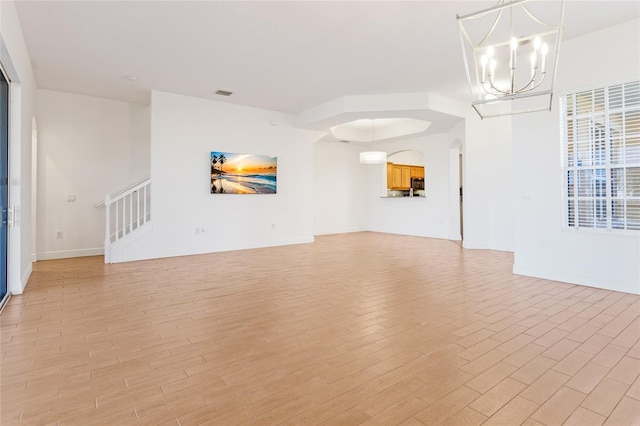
[4,185]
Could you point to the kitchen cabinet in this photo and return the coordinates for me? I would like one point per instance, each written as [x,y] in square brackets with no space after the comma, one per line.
[389,175]
[399,175]
[396,181]
[417,172]
[406,177]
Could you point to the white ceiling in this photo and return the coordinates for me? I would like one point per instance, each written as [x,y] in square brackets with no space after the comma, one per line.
[284,56]
[366,130]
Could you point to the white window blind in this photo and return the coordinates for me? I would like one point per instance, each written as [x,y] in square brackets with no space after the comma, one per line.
[601,157]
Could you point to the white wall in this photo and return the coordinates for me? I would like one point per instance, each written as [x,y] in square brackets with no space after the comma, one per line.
[488,176]
[542,247]
[340,188]
[410,158]
[427,217]
[184,131]
[88,147]
[499,186]
[16,62]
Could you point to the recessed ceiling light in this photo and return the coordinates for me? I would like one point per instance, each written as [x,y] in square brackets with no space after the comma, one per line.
[131,77]
[223,93]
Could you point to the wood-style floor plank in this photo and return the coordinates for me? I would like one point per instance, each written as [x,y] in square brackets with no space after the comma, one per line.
[359,328]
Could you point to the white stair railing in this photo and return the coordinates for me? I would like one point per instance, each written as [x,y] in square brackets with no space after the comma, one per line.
[126,212]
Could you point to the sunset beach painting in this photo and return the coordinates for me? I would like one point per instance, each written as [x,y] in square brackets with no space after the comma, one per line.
[243,173]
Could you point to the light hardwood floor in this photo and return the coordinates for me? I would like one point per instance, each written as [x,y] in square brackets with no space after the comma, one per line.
[354,329]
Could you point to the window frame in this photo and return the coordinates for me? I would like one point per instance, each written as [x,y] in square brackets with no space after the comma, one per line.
[571,116]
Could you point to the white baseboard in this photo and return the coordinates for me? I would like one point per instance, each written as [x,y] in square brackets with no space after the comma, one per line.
[164,252]
[476,246]
[64,254]
[339,231]
[572,278]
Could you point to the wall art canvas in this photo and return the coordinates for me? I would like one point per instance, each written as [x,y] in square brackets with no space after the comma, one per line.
[243,173]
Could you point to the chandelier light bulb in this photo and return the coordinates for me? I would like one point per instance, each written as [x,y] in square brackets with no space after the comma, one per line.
[512,59]
[544,49]
[537,42]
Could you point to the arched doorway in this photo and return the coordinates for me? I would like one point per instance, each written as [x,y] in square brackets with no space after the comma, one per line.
[456,206]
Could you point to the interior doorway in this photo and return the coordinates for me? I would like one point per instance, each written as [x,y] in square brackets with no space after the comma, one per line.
[455,190]
[461,191]
[34,187]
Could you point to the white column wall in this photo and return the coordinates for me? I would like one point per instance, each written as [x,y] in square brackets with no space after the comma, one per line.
[488,202]
[340,188]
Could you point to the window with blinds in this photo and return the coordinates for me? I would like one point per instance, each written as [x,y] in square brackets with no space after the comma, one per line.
[601,157]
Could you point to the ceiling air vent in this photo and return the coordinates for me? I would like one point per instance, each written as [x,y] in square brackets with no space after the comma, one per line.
[223,93]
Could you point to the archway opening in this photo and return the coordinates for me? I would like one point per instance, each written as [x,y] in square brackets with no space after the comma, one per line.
[456,207]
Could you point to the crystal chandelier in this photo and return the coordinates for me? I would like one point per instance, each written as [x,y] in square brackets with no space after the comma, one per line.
[511,54]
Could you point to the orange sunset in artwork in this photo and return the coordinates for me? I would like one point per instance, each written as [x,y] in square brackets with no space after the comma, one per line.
[243,173]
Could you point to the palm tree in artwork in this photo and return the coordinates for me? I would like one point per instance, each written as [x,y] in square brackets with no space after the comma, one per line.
[222,159]
[214,161]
